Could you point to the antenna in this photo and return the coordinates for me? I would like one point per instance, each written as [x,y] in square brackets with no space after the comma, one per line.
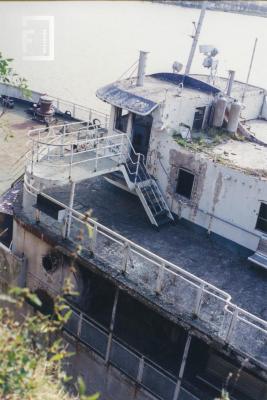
[176,67]
[210,52]
[195,38]
[249,70]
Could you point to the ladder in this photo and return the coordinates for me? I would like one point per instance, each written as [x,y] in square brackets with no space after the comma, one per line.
[147,189]
[153,202]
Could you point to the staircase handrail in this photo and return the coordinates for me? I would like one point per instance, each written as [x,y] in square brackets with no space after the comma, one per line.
[45,138]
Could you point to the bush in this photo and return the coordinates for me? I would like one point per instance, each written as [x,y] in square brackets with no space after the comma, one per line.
[31,355]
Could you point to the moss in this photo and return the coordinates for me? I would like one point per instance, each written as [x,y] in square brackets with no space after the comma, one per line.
[206,139]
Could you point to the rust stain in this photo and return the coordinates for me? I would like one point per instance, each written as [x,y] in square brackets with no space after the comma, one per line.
[216,197]
[187,160]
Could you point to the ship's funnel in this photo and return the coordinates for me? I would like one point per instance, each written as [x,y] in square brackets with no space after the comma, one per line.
[141,68]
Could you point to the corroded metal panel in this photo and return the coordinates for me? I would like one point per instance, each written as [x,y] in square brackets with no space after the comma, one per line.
[12,268]
[124,99]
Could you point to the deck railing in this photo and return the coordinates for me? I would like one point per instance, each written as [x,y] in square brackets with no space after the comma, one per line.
[177,290]
[80,112]
[76,111]
[114,351]
[84,142]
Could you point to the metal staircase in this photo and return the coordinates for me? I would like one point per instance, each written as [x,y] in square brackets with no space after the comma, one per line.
[153,202]
[148,191]
[66,153]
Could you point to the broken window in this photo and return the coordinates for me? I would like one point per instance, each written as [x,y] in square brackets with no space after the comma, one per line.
[198,118]
[262,218]
[185,183]
[121,120]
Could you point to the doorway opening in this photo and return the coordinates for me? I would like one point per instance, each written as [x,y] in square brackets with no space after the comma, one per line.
[198,118]
[141,130]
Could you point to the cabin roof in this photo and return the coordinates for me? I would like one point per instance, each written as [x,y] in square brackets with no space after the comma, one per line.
[246,155]
[232,151]
[144,99]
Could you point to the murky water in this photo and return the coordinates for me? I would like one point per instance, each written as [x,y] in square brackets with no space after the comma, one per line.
[95,42]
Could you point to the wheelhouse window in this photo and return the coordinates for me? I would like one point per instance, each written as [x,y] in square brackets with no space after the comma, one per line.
[261,224]
[121,119]
[198,118]
[185,183]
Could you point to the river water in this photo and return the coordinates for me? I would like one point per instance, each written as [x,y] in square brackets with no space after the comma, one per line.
[95,42]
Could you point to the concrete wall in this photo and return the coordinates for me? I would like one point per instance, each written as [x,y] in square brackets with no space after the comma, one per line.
[253,102]
[264,108]
[13,91]
[12,268]
[180,109]
[232,196]
[26,243]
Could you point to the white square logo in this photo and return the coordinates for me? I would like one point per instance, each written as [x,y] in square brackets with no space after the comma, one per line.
[38,38]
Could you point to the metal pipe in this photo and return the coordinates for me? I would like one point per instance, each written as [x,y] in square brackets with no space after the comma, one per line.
[71,161]
[140,369]
[112,323]
[230,82]
[195,38]
[69,215]
[141,68]
[249,70]
[182,367]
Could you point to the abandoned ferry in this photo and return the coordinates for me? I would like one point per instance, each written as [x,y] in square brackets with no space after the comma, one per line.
[161,206]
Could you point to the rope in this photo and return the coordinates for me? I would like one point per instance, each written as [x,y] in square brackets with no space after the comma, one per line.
[129,70]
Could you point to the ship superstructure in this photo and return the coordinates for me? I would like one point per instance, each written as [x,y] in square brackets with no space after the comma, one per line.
[157,214]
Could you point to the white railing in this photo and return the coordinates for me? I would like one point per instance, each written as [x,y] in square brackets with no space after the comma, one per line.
[83,142]
[115,351]
[77,111]
[178,290]
[80,112]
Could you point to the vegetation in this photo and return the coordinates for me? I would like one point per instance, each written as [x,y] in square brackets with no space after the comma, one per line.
[206,140]
[31,353]
[224,395]
[9,75]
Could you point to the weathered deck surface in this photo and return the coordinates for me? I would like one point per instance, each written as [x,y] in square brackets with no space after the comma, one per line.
[259,128]
[14,127]
[189,248]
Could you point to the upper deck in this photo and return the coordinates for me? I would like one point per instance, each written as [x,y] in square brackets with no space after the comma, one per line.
[235,151]
[17,122]
[180,270]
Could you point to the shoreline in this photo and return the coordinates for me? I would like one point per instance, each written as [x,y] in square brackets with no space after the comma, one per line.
[214,7]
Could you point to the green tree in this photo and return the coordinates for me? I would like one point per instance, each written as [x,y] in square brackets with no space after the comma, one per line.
[31,352]
[10,76]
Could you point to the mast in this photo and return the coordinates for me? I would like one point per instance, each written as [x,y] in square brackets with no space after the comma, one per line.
[249,70]
[195,38]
